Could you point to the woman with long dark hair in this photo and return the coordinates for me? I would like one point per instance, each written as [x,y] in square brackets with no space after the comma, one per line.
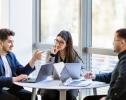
[62,51]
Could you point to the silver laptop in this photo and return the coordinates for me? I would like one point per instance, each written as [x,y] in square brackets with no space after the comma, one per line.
[71,70]
[74,70]
[71,75]
[44,72]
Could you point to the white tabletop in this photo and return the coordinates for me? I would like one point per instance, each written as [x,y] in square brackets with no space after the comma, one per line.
[57,85]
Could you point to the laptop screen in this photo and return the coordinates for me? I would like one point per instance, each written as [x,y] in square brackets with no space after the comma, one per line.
[74,70]
[45,71]
[68,70]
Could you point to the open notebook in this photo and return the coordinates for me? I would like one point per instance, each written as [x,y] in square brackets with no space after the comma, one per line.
[78,82]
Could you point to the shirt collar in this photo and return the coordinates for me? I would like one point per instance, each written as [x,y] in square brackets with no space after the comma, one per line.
[121,54]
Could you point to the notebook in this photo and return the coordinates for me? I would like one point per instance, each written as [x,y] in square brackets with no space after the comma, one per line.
[44,72]
[78,82]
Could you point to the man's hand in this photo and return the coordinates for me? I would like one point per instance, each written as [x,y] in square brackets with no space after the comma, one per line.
[36,56]
[89,75]
[19,78]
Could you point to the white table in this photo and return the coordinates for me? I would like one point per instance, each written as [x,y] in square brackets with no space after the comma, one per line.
[56,84]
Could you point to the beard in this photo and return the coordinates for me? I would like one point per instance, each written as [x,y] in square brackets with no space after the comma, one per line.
[7,49]
[116,50]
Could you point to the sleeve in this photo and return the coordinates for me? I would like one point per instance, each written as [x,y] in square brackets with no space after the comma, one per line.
[50,58]
[20,69]
[105,77]
[24,69]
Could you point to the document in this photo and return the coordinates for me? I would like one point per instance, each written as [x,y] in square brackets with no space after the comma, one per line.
[78,82]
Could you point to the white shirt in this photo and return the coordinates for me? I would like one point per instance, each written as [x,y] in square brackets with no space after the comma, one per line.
[8,72]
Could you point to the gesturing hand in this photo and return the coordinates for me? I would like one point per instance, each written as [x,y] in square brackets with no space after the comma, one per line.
[37,55]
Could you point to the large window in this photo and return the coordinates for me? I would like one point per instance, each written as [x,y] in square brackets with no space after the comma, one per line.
[107,17]
[57,15]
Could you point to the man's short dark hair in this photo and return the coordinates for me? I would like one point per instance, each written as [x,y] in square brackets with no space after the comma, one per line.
[121,33]
[4,33]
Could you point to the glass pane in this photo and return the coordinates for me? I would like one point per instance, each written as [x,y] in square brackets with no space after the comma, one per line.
[103,63]
[57,15]
[107,17]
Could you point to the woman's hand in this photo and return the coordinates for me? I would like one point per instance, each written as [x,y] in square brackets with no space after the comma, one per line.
[54,50]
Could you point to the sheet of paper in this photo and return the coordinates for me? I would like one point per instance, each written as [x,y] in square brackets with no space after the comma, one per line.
[79,83]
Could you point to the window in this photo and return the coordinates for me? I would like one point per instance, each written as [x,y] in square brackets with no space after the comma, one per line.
[107,17]
[57,15]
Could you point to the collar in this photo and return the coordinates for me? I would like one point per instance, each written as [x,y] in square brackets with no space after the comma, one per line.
[3,54]
[121,54]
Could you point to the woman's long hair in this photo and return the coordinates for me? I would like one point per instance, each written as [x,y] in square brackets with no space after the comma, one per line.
[69,50]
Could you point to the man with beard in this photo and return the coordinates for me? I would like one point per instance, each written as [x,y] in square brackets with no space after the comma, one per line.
[117,78]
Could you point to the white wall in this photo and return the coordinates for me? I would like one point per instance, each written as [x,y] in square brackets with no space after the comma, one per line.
[21,24]
[4,13]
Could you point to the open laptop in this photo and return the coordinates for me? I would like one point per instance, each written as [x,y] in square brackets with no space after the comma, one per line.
[44,72]
[74,70]
[68,70]
[71,75]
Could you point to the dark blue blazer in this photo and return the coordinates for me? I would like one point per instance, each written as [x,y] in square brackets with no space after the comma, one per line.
[16,69]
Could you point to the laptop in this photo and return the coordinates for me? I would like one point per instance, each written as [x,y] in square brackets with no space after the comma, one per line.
[44,72]
[74,70]
[71,75]
[68,70]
